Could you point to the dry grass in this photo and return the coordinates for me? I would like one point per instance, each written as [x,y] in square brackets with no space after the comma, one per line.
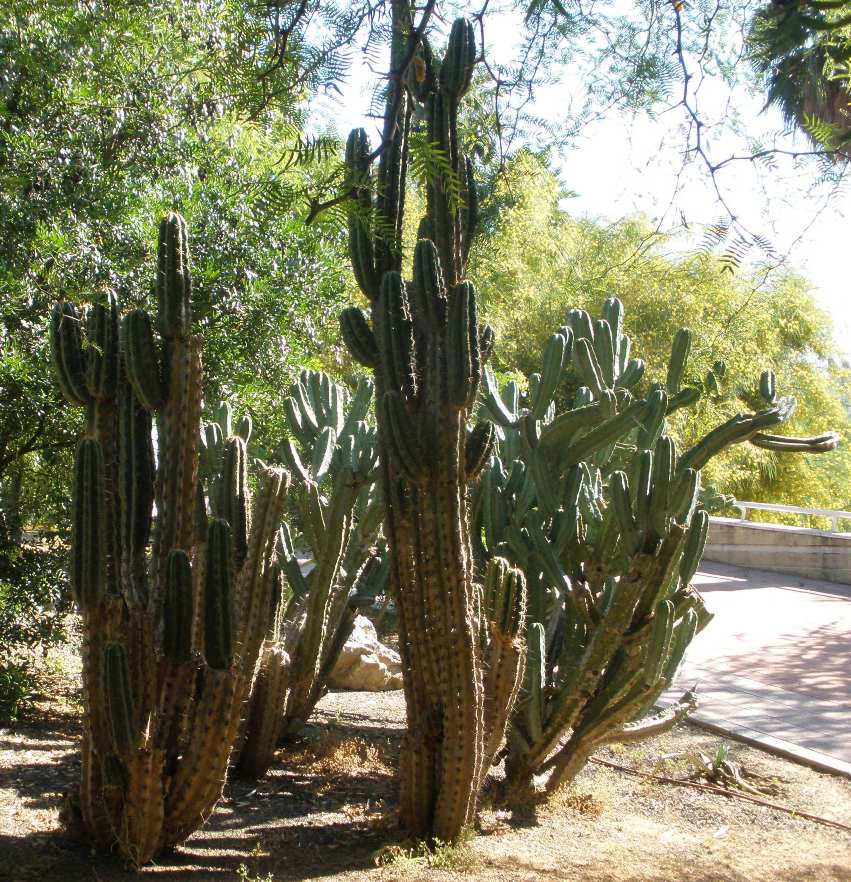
[570,800]
[335,755]
[413,859]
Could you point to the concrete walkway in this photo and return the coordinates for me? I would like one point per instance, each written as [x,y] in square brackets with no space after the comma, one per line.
[774,665]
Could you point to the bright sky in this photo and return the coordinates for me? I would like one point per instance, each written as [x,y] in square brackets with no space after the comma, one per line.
[622,166]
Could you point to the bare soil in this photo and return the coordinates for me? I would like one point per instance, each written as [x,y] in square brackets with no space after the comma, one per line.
[326,811]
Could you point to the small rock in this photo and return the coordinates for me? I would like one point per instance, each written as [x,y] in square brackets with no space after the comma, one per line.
[366,664]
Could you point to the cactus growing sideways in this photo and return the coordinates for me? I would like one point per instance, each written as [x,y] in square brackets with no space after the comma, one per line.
[601,513]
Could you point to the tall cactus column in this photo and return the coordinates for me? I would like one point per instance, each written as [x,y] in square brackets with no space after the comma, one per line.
[163,694]
[426,349]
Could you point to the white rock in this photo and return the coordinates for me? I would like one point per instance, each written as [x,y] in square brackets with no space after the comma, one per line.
[366,664]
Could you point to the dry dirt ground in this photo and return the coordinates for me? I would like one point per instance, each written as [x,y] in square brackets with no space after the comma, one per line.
[326,812]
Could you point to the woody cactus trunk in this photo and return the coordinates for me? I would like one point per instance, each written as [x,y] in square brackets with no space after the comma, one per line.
[426,349]
[170,637]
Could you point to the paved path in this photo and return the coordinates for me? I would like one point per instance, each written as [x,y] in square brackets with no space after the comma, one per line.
[774,665]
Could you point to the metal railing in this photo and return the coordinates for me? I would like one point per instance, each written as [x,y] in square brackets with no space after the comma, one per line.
[834,515]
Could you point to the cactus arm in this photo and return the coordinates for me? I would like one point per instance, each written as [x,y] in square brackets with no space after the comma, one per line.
[219,572]
[177,608]
[120,706]
[142,359]
[556,353]
[252,587]
[359,407]
[197,782]
[264,714]
[174,280]
[307,659]
[680,349]
[663,721]
[737,429]
[88,526]
[234,501]
[495,405]
[67,353]
[784,444]
[605,433]
[506,623]
[565,426]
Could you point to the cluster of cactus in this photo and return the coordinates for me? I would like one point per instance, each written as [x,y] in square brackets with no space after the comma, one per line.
[426,348]
[172,635]
[335,517]
[598,509]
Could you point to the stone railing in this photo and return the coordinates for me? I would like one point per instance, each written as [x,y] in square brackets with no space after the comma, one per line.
[800,551]
[834,515]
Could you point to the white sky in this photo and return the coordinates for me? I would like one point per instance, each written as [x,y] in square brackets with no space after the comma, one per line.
[620,167]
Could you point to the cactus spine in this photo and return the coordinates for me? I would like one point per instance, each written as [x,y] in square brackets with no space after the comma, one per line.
[160,720]
[427,350]
[604,517]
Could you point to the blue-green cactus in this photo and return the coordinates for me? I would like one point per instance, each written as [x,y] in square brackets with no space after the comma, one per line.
[326,552]
[602,514]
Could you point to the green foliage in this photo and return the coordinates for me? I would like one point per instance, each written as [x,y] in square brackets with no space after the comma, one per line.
[32,600]
[801,53]
[98,141]
[32,619]
[17,684]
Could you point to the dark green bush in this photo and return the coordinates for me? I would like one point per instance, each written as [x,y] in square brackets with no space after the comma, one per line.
[33,605]
[17,685]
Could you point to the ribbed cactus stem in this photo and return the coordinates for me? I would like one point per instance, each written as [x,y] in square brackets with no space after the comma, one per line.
[234,503]
[456,72]
[264,721]
[680,349]
[88,526]
[120,708]
[161,722]
[478,448]
[361,247]
[67,351]
[142,359]
[219,573]
[102,351]
[136,473]
[505,593]
[178,610]
[174,281]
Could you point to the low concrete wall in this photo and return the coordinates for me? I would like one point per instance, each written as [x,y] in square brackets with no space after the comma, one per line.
[815,554]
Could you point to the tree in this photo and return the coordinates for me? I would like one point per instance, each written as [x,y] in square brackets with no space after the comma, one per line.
[95,143]
[801,53]
[536,262]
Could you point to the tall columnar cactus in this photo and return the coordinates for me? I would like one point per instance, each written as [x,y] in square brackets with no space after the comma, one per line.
[603,515]
[171,635]
[426,348]
[335,518]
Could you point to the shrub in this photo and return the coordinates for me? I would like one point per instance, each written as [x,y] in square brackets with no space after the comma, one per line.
[32,612]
